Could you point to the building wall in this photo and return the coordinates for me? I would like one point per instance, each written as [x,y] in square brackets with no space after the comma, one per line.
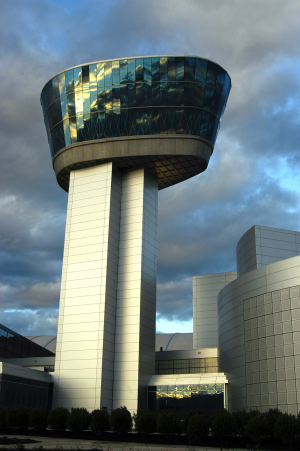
[205,307]
[260,246]
[106,327]
[259,335]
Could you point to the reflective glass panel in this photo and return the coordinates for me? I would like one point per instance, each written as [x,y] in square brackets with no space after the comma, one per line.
[67,132]
[208,97]
[100,75]
[221,106]
[64,111]
[220,79]
[180,121]
[55,86]
[123,71]
[139,91]
[93,76]
[189,69]
[79,102]
[179,93]
[77,78]
[107,74]
[93,99]
[155,94]
[139,69]
[131,94]
[62,84]
[163,93]
[73,130]
[86,101]
[189,94]
[179,68]
[124,96]
[86,77]
[131,70]
[212,72]
[147,69]
[155,69]
[58,111]
[163,68]
[171,93]
[69,74]
[201,68]
[198,95]
[101,99]
[171,68]
[116,97]
[108,98]
[147,93]
[226,87]
[215,102]
[204,123]
[116,72]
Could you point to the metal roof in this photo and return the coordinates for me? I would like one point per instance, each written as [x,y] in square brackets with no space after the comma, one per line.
[169,342]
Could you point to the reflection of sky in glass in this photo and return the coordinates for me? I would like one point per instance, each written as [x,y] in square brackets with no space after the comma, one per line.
[186,391]
[114,86]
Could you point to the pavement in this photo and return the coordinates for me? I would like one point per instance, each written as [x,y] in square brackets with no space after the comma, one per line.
[65,444]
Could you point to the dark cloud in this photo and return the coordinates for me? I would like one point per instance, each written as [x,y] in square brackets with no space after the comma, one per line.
[253,174]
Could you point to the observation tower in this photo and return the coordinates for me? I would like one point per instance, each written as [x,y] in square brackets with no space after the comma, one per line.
[118,131]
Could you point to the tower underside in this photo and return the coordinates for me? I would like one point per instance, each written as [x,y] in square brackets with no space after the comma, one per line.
[106,326]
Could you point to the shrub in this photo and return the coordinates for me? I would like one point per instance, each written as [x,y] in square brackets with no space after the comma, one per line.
[121,420]
[257,428]
[198,428]
[240,418]
[272,415]
[189,415]
[78,420]
[286,429]
[222,425]
[58,418]
[3,411]
[99,421]
[17,417]
[38,419]
[168,423]
[145,422]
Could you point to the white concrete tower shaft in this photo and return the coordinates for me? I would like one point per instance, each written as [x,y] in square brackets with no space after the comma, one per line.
[106,326]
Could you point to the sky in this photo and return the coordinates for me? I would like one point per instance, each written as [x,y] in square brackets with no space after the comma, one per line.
[253,175]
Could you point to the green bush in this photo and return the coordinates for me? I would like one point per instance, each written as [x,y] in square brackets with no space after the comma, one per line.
[3,411]
[257,428]
[17,417]
[198,428]
[99,421]
[57,419]
[121,420]
[286,429]
[240,418]
[222,425]
[38,419]
[168,423]
[78,420]
[145,422]
[272,415]
[189,415]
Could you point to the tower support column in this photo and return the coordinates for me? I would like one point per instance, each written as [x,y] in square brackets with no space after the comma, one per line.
[106,326]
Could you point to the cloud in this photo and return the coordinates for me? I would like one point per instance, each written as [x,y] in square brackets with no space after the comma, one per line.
[253,175]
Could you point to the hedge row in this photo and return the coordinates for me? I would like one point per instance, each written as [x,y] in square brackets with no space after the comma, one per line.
[223,425]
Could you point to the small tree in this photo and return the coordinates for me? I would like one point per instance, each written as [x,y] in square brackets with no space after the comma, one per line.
[222,425]
[272,415]
[145,422]
[240,418]
[38,419]
[17,417]
[168,423]
[121,420]
[287,429]
[198,428]
[257,428]
[78,420]
[3,411]
[188,415]
[57,419]
[99,421]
